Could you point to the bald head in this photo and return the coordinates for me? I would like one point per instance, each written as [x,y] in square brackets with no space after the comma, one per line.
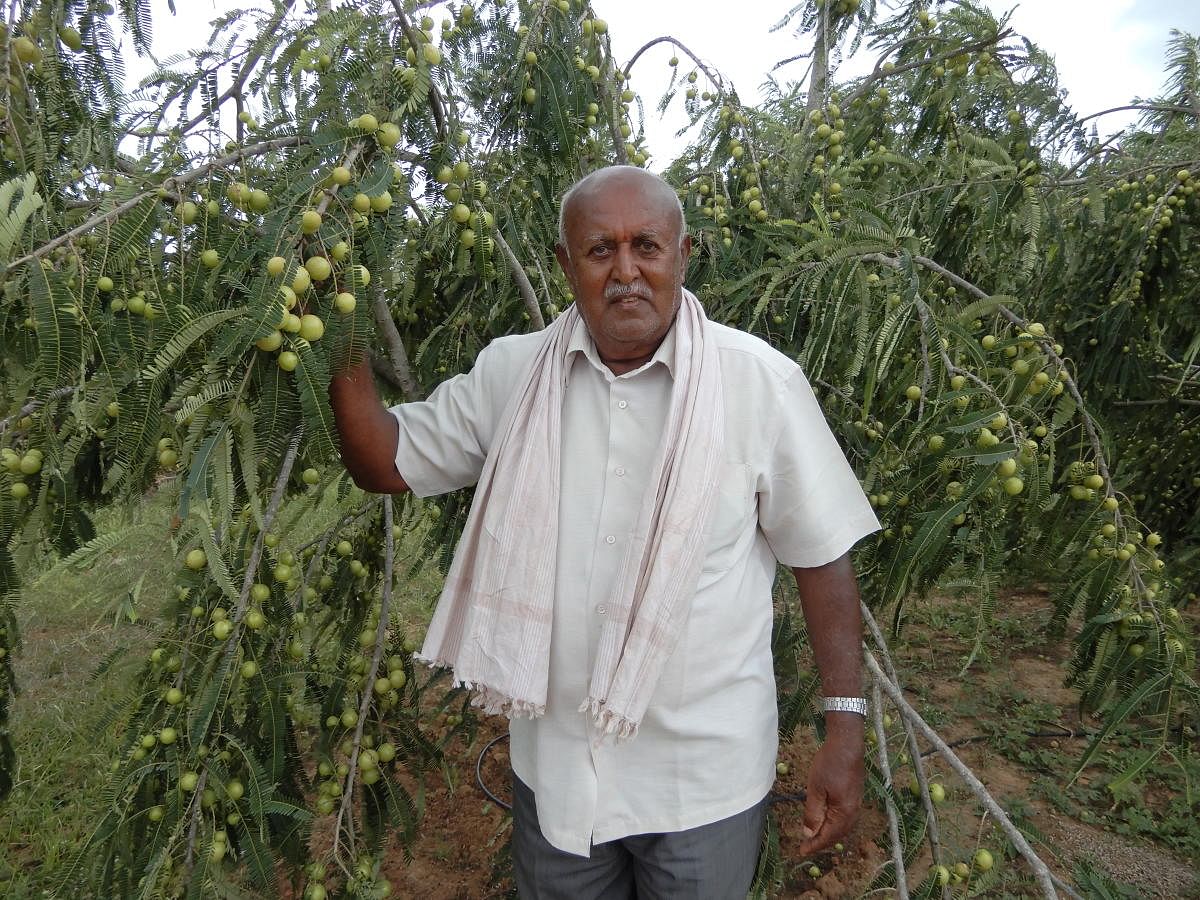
[604,181]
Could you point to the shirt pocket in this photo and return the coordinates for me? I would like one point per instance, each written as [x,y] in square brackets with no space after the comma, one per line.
[729,524]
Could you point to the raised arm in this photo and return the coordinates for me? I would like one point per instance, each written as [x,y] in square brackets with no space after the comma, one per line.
[369,433]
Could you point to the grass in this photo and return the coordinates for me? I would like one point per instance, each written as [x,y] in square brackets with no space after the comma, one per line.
[62,724]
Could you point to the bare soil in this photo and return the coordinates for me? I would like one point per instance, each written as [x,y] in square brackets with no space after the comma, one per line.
[461,853]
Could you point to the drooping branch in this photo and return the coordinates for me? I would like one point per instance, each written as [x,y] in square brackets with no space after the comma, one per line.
[285,471]
[914,750]
[1040,870]
[1069,383]
[885,772]
[435,96]
[925,316]
[167,185]
[878,73]
[666,38]
[389,550]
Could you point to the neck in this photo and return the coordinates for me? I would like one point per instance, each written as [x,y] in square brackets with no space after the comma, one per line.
[619,365]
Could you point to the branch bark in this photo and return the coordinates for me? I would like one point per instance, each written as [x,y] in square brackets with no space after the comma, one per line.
[523,283]
[885,771]
[397,355]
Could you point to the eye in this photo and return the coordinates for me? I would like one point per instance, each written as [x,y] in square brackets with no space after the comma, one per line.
[600,251]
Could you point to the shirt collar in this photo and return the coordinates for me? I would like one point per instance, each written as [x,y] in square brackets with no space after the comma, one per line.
[581,342]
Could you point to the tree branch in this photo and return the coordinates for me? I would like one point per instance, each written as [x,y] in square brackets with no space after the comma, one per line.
[435,96]
[401,370]
[1040,870]
[235,89]
[174,181]
[364,708]
[877,73]
[523,283]
[885,771]
[914,750]
[666,38]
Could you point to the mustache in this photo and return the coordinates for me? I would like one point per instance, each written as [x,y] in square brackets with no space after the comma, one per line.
[617,291]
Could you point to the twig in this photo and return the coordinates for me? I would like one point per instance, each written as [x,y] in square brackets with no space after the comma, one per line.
[877,73]
[435,96]
[194,827]
[174,181]
[666,38]
[342,523]
[1040,870]
[352,154]
[1075,123]
[234,90]
[523,283]
[369,689]
[885,771]
[285,471]
[1091,154]
[33,405]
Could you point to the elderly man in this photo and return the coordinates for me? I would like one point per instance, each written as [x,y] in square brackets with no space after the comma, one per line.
[640,470]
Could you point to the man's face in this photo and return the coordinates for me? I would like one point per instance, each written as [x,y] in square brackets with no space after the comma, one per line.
[626,263]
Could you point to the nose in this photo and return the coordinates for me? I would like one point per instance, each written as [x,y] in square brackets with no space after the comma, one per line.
[624,267]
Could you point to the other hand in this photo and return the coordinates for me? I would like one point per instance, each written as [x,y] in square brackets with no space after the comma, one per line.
[835,792]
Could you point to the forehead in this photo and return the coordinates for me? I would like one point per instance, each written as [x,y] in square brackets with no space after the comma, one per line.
[621,208]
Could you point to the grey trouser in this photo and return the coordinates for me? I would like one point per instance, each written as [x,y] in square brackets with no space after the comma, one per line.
[711,862]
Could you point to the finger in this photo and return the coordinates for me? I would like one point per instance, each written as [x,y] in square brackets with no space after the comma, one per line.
[835,827]
[814,812]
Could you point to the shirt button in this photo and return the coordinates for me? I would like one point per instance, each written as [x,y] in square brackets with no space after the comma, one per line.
[611,539]
[621,404]
[601,609]
[620,470]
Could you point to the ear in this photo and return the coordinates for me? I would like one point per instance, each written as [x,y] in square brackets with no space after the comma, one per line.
[685,250]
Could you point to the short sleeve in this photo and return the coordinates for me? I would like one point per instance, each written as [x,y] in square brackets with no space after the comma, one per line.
[811,508]
[444,439]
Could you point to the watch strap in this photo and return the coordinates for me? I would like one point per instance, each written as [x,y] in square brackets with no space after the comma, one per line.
[845,704]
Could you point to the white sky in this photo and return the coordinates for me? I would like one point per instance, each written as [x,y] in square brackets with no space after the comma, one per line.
[1108,51]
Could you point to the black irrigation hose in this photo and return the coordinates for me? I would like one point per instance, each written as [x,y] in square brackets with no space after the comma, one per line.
[775,797]
[479,772]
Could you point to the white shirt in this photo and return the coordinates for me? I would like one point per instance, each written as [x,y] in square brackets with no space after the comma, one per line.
[706,747]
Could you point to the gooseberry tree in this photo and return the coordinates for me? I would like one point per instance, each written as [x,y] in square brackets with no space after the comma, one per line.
[175,298]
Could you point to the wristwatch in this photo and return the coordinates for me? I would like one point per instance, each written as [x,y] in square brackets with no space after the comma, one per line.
[845,704]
